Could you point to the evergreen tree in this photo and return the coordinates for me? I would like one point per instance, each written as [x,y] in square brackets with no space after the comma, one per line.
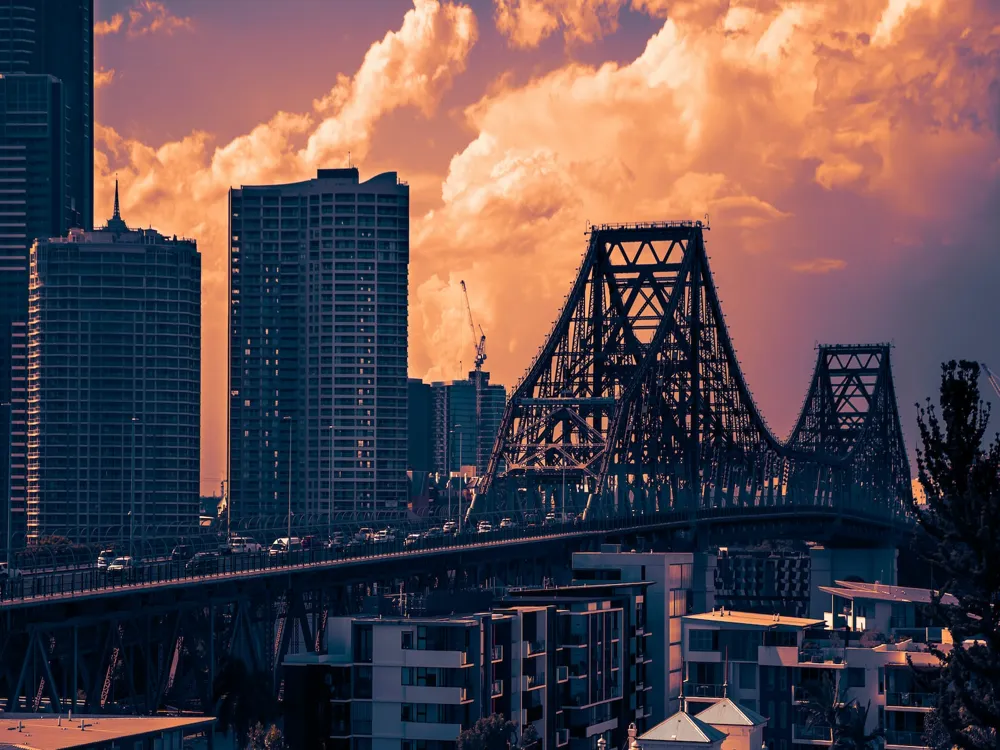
[961,483]
[828,708]
[489,733]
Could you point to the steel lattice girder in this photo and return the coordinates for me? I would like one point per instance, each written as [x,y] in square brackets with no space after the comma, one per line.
[637,400]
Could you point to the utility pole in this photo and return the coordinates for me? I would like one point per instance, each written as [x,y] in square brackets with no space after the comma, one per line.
[131,515]
[329,501]
[289,420]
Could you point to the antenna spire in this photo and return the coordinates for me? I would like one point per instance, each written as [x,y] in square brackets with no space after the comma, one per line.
[117,214]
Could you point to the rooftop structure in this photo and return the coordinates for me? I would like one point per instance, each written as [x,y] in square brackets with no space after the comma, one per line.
[34,732]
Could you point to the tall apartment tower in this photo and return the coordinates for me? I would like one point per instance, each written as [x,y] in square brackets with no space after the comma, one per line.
[463,430]
[318,345]
[46,170]
[114,365]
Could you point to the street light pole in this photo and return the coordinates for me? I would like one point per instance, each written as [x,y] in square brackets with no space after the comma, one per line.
[131,515]
[10,463]
[289,420]
[329,500]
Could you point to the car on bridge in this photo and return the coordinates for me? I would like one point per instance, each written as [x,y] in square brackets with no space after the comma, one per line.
[507,523]
[123,568]
[433,533]
[412,540]
[203,563]
[244,545]
[485,527]
[364,534]
[181,553]
[450,527]
[104,560]
[284,545]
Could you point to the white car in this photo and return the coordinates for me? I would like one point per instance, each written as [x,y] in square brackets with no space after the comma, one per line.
[411,540]
[450,527]
[506,523]
[122,567]
[485,527]
[240,545]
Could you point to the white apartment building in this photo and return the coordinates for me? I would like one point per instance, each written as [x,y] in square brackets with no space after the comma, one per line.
[764,662]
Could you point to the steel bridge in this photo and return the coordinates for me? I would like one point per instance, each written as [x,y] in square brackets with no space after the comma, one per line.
[633,424]
[636,403]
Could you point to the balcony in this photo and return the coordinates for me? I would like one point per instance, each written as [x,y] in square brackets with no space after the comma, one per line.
[812,735]
[562,674]
[822,655]
[496,689]
[911,700]
[534,648]
[900,738]
[562,737]
[452,696]
[532,681]
[496,654]
[702,690]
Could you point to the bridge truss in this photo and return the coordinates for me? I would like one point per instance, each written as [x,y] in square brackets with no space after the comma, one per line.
[636,403]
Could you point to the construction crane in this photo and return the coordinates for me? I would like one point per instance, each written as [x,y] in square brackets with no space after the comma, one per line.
[479,342]
[991,376]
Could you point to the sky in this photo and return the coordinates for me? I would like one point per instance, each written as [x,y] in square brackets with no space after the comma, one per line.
[846,152]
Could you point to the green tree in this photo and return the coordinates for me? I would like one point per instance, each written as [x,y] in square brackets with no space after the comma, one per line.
[961,482]
[529,737]
[489,733]
[826,708]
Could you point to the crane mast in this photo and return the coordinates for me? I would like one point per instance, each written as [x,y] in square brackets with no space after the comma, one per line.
[479,344]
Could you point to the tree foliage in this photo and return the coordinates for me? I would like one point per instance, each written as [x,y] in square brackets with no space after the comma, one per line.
[826,708]
[489,733]
[961,482]
[260,738]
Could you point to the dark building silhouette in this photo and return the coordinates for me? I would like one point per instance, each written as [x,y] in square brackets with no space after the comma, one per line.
[420,411]
[46,173]
[318,343]
[114,363]
[463,431]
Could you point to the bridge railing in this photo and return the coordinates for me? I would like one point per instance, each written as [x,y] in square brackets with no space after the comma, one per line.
[426,535]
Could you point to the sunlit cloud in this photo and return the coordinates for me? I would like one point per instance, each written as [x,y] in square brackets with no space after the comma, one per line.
[103,77]
[820,265]
[144,17]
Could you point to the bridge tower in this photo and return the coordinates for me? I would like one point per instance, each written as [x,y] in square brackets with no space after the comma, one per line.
[636,403]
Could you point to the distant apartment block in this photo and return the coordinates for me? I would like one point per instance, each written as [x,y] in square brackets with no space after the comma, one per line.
[318,345]
[766,663]
[768,581]
[114,394]
[466,419]
[420,425]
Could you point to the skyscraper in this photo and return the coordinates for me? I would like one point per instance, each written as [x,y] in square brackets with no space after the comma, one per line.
[46,171]
[317,368]
[114,363]
[463,430]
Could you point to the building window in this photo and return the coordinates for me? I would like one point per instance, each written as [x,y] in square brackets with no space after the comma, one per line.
[406,678]
[855,677]
[407,640]
[703,640]
[748,676]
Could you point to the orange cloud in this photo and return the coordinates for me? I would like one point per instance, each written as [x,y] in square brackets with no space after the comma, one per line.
[820,265]
[103,77]
[738,111]
[182,187]
[144,17]
[101,28]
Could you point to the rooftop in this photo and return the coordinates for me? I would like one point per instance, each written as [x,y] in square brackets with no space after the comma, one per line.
[727,616]
[60,733]
[883,592]
[683,727]
[728,714]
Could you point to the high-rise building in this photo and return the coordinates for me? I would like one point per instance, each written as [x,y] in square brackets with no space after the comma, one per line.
[318,344]
[114,365]
[466,419]
[420,421]
[46,168]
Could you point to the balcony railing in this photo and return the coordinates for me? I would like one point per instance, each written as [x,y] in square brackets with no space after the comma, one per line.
[533,681]
[702,690]
[535,647]
[818,734]
[562,674]
[496,689]
[911,700]
[905,739]
[819,655]
[496,653]
[562,737]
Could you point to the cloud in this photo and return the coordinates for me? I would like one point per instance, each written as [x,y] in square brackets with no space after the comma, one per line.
[182,186]
[101,28]
[820,265]
[103,77]
[782,120]
[144,17]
